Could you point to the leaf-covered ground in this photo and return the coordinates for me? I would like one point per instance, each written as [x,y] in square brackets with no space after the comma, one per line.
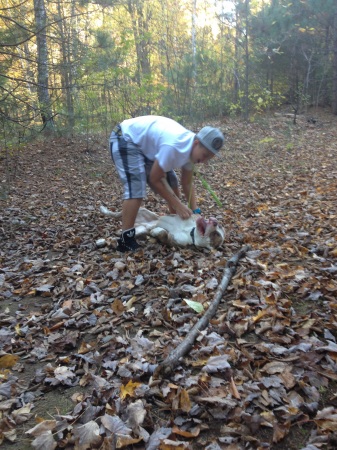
[83,328]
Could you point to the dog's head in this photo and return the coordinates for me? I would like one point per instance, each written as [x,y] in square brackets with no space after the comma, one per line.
[208,233]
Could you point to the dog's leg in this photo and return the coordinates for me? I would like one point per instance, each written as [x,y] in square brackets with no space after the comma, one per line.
[104,210]
[160,234]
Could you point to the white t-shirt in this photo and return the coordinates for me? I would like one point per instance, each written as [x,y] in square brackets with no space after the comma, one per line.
[162,139]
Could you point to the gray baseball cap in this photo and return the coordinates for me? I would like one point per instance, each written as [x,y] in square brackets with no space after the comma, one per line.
[211,138]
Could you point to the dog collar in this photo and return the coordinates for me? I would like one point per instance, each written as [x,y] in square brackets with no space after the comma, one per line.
[192,235]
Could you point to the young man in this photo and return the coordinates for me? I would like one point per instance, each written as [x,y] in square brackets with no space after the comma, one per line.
[145,150]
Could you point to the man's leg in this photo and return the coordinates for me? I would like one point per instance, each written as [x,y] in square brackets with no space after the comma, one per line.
[129,212]
[128,161]
[127,241]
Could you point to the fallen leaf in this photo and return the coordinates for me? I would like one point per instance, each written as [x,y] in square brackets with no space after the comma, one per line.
[184,401]
[196,306]
[45,441]
[8,361]
[217,363]
[87,435]
[129,389]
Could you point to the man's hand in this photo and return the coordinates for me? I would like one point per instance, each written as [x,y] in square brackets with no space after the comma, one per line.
[183,211]
[159,182]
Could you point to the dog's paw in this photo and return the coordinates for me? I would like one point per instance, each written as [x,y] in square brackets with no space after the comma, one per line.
[160,234]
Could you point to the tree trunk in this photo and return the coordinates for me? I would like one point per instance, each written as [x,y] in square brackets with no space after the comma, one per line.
[194,57]
[140,26]
[334,72]
[246,44]
[236,57]
[66,70]
[42,66]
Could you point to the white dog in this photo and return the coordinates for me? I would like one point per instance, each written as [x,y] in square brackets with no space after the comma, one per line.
[173,230]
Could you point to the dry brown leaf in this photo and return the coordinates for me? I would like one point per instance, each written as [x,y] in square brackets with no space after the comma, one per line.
[191,433]
[125,441]
[234,390]
[45,441]
[87,435]
[184,401]
[274,367]
[118,307]
[280,431]
[8,361]
[42,427]
[129,389]
[326,419]
[168,444]
[84,348]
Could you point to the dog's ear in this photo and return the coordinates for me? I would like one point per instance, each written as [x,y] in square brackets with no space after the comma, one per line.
[216,238]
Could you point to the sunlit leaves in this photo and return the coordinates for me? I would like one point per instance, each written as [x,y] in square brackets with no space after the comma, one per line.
[129,389]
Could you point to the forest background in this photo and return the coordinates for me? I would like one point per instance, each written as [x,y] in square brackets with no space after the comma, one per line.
[82,66]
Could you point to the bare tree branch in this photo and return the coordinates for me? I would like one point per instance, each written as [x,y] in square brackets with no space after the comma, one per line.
[185,346]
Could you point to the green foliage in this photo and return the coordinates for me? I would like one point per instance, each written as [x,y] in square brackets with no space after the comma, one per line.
[108,60]
[209,189]
[261,99]
[290,44]
[267,140]
[104,39]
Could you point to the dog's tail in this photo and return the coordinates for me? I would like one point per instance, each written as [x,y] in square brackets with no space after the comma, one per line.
[104,210]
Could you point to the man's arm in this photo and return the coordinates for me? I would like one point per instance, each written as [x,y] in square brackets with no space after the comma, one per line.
[188,188]
[160,184]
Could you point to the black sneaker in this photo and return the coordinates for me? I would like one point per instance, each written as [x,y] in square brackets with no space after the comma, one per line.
[127,241]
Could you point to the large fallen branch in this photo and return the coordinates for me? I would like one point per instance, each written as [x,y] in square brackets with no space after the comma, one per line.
[185,346]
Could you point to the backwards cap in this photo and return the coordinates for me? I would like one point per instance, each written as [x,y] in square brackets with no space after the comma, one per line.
[211,138]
